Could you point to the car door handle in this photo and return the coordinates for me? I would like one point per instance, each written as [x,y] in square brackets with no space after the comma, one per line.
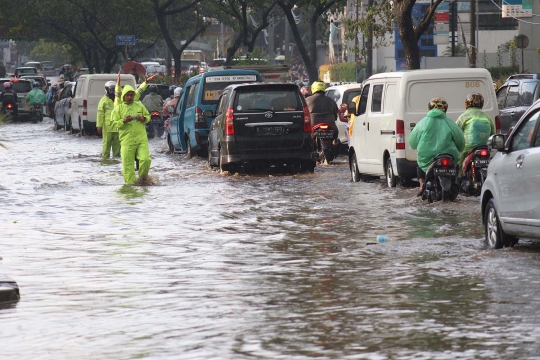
[519,161]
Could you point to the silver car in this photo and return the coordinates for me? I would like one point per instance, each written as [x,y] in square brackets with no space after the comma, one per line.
[510,201]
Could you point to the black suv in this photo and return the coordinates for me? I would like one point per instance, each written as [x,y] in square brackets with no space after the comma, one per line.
[515,96]
[261,125]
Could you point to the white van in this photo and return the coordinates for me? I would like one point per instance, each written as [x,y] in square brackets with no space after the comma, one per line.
[89,90]
[391,105]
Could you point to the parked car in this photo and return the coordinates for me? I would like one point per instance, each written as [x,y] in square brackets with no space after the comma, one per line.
[390,106]
[62,108]
[48,68]
[188,127]
[40,79]
[89,89]
[154,67]
[261,124]
[515,96]
[25,70]
[22,87]
[509,207]
[37,64]
[342,94]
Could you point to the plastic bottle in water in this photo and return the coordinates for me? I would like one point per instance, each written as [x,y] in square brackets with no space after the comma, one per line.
[381,239]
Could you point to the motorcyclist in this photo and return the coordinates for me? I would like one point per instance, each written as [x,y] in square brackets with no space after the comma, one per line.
[477,126]
[9,96]
[130,118]
[173,102]
[435,134]
[153,101]
[322,108]
[171,94]
[103,123]
[36,95]
[52,98]
[305,91]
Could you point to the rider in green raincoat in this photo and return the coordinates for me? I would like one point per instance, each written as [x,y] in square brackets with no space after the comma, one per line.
[36,95]
[477,126]
[130,118]
[435,134]
[103,123]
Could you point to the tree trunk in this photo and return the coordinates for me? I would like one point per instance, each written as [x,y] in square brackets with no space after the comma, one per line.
[233,48]
[407,35]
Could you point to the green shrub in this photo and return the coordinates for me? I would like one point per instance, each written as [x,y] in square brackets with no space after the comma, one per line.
[346,72]
[503,72]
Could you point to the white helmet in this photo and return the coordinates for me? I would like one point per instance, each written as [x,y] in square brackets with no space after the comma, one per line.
[177,91]
[110,85]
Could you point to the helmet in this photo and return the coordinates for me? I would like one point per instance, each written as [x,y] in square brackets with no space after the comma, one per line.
[305,91]
[7,85]
[35,84]
[171,90]
[474,100]
[177,91]
[54,85]
[110,85]
[438,103]
[317,86]
[152,88]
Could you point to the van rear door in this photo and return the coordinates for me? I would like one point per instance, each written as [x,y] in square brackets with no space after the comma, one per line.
[268,117]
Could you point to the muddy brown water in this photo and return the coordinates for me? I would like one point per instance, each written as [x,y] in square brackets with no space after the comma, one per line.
[205,265]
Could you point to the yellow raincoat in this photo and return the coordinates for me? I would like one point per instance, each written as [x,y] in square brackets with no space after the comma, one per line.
[109,133]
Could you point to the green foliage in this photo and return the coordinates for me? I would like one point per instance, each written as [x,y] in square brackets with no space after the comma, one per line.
[502,72]
[499,56]
[461,50]
[56,52]
[347,72]
[484,60]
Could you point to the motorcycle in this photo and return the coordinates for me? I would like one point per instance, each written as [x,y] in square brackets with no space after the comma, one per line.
[323,136]
[155,126]
[440,183]
[474,170]
[9,109]
[36,113]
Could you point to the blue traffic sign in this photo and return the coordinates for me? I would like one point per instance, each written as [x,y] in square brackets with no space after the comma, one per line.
[125,39]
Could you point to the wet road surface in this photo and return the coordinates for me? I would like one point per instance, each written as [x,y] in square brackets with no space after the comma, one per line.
[206,265]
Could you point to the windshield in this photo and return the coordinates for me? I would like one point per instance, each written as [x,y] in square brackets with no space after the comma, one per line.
[20,86]
[262,98]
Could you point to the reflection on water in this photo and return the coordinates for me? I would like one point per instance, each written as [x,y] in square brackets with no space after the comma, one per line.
[210,265]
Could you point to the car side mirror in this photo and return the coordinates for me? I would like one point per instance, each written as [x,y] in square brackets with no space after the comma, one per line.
[497,142]
[170,109]
[208,113]
[351,107]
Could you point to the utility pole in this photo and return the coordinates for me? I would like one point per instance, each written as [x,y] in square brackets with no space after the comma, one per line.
[271,48]
[222,42]
[369,46]
[453,18]
[287,41]
[168,58]
[472,39]
[356,48]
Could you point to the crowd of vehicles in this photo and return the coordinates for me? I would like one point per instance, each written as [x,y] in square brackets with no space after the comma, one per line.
[239,120]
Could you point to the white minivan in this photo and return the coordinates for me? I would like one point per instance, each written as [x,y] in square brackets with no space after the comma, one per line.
[391,104]
[89,90]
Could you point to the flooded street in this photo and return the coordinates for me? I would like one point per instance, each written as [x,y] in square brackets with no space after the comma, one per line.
[206,265]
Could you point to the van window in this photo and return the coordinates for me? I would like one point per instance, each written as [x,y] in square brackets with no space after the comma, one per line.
[453,91]
[363,100]
[350,94]
[526,98]
[214,85]
[191,96]
[78,88]
[376,98]
[22,86]
[389,96]
[501,97]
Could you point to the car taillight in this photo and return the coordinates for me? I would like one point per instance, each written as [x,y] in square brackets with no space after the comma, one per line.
[498,124]
[484,152]
[307,120]
[229,122]
[85,107]
[200,121]
[400,135]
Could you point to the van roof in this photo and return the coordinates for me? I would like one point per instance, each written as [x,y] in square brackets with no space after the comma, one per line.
[430,73]
[104,76]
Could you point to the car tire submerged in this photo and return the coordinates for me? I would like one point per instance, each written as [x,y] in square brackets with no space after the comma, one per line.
[391,179]
[495,238]
[353,165]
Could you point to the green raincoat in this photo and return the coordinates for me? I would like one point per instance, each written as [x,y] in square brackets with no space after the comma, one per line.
[118,93]
[109,133]
[35,96]
[435,134]
[133,139]
[477,127]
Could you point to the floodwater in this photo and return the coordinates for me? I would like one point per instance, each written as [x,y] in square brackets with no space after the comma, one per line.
[206,265]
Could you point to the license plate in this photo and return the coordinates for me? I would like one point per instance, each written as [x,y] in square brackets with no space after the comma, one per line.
[269,130]
[481,162]
[156,120]
[447,172]
[325,134]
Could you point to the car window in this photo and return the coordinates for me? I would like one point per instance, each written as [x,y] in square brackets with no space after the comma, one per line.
[191,97]
[389,97]
[350,94]
[222,106]
[526,97]
[376,98]
[333,94]
[22,86]
[501,97]
[267,98]
[363,100]
[214,85]
[524,136]
[512,97]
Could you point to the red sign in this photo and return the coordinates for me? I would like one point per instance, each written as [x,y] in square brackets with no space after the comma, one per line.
[442,16]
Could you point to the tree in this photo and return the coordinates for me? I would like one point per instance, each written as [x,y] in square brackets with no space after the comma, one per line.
[315,11]
[461,50]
